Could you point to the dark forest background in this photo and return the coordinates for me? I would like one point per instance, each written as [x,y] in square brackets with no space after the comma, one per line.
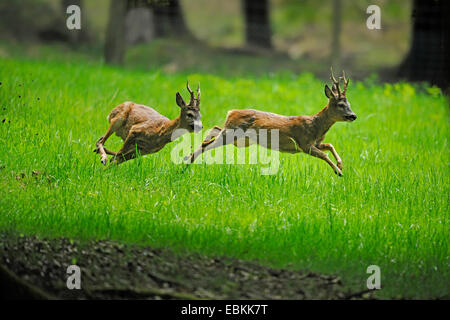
[238,36]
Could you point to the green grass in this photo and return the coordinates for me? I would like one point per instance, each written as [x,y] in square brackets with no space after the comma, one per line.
[390,209]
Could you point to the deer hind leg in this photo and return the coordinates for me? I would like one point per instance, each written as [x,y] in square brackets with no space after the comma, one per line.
[219,141]
[122,157]
[329,147]
[315,152]
[128,151]
[107,151]
[212,134]
[210,138]
[100,148]
[100,143]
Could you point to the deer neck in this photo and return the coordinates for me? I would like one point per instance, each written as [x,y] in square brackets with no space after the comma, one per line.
[322,121]
[170,127]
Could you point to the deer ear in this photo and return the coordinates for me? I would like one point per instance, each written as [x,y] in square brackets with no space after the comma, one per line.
[329,93]
[180,101]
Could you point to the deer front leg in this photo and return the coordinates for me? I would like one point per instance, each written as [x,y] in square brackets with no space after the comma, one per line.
[210,138]
[315,152]
[329,147]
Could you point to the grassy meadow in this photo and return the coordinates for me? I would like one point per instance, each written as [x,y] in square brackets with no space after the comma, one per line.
[390,209]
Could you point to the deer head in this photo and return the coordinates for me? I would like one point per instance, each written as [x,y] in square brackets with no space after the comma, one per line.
[338,105]
[190,113]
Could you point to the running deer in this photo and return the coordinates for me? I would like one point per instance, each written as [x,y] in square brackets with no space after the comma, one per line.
[296,133]
[146,131]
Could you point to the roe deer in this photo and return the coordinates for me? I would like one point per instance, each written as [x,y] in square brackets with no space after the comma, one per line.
[146,131]
[296,133]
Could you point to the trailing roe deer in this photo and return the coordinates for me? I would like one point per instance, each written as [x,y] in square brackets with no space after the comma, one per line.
[296,133]
[146,131]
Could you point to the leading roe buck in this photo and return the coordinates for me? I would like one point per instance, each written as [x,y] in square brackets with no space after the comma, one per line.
[146,131]
[304,132]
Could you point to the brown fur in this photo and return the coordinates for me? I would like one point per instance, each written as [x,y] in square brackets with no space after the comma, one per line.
[296,133]
[144,130]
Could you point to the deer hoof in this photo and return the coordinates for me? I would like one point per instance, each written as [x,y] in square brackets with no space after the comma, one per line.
[104,160]
[96,150]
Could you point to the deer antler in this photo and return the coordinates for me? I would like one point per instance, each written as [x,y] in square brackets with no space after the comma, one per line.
[346,81]
[191,102]
[335,82]
[198,94]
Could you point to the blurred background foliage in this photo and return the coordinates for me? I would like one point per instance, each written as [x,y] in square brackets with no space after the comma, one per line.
[213,35]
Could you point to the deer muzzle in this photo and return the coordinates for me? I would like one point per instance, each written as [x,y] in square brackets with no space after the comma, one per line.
[197,126]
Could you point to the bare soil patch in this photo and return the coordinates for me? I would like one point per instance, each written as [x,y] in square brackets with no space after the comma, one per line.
[111,270]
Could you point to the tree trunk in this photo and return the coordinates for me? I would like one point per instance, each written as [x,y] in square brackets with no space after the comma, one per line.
[77,36]
[169,20]
[115,44]
[257,23]
[139,25]
[336,36]
[429,56]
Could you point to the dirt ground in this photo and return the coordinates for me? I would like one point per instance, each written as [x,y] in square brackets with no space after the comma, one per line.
[110,270]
